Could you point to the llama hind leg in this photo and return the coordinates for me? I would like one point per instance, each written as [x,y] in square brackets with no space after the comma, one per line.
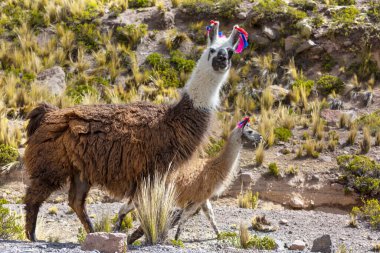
[77,198]
[209,212]
[124,210]
[187,212]
[36,194]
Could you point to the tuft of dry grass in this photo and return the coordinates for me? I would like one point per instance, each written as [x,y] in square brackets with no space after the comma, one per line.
[344,121]
[266,100]
[103,224]
[352,135]
[266,127]
[365,145]
[260,154]
[377,138]
[244,236]
[285,118]
[311,146]
[155,202]
[248,200]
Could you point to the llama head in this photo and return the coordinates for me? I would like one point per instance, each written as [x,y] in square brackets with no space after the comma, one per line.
[220,48]
[244,134]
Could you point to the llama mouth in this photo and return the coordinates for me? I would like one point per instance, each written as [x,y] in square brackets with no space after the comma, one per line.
[220,65]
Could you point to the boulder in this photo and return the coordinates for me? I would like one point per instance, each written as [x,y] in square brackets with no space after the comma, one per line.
[322,244]
[269,33]
[279,93]
[305,46]
[105,242]
[52,79]
[259,40]
[291,43]
[297,245]
[297,202]
[242,15]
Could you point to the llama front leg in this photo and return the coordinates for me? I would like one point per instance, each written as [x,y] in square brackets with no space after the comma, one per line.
[209,212]
[124,210]
[187,212]
[77,198]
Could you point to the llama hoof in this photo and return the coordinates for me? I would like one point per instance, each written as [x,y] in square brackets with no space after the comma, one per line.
[31,236]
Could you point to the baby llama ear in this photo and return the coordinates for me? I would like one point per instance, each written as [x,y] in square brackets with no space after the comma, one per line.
[238,39]
[212,32]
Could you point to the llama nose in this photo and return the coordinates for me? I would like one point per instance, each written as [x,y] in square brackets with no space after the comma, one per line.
[222,55]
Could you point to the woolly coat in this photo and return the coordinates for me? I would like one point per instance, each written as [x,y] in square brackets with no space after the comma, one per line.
[114,146]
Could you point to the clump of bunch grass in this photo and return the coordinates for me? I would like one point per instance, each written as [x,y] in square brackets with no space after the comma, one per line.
[8,154]
[177,243]
[310,146]
[248,200]
[53,210]
[282,134]
[155,203]
[81,235]
[273,169]
[103,224]
[292,170]
[372,121]
[352,135]
[365,145]
[126,223]
[10,227]
[377,138]
[226,235]
[344,120]
[260,154]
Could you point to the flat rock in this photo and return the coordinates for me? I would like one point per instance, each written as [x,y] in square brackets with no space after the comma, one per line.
[291,43]
[297,202]
[297,245]
[322,244]
[305,46]
[242,15]
[52,79]
[259,40]
[105,242]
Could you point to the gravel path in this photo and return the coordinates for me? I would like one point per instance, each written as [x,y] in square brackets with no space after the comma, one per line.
[198,235]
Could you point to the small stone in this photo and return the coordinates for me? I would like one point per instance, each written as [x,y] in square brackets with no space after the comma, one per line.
[291,42]
[325,158]
[297,202]
[105,242]
[283,222]
[347,43]
[269,33]
[242,15]
[246,177]
[305,46]
[322,244]
[297,245]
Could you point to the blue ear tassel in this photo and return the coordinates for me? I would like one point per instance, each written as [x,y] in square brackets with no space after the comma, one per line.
[242,36]
[220,34]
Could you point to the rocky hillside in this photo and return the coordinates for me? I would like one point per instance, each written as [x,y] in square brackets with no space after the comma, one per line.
[309,80]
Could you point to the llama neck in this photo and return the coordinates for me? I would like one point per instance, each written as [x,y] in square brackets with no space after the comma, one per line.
[204,85]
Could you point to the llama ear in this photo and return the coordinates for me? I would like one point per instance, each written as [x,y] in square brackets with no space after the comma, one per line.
[212,32]
[234,37]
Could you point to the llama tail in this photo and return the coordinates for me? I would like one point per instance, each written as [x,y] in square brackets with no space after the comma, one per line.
[36,116]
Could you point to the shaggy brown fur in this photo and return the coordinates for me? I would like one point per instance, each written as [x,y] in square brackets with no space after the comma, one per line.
[114,146]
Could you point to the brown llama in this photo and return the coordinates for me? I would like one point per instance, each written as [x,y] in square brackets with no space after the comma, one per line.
[197,184]
[116,146]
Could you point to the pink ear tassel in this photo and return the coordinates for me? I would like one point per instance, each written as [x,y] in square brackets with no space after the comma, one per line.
[240,47]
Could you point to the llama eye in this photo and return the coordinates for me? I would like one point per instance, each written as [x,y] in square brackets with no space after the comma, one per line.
[230,52]
[212,50]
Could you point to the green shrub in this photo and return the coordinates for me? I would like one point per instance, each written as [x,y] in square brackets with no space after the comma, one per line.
[261,243]
[77,91]
[87,35]
[282,134]
[372,121]
[360,173]
[225,235]
[221,8]
[180,62]
[274,8]
[10,227]
[8,154]
[369,211]
[131,34]
[346,2]
[177,243]
[302,82]
[327,84]
[214,147]
[374,10]
[328,62]
[81,235]
[273,169]
[345,15]
[157,61]
[141,3]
